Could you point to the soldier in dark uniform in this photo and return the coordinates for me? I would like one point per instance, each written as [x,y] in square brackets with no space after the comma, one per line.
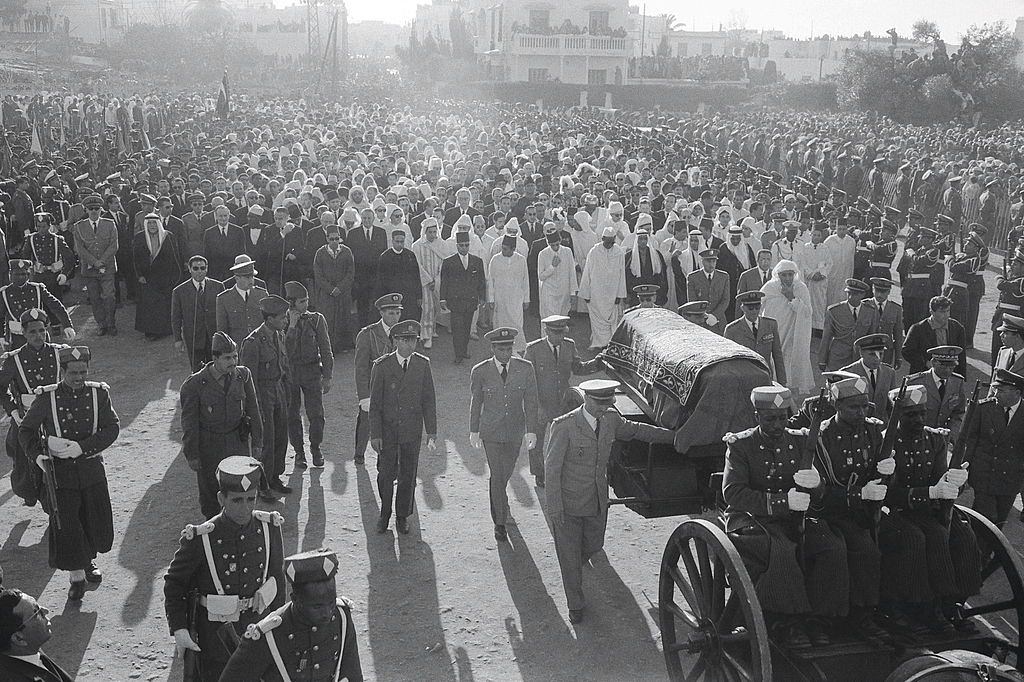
[220,417]
[68,427]
[372,342]
[882,251]
[311,638]
[311,359]
[804,416]
[402,407]
[946,241]
[52,259]
[765,492]
[995,448]
[922,274]
[263,352]
[25,369]
[925,564]
[233,565]
[848,459]
[1011,296]
[21,295]
[697,312]
[962,268]
[645,295]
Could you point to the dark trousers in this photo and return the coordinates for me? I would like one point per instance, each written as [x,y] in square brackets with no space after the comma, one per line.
[48,279]
[577,539]
[25,475]
[461,322]
[501,460]
[206,477]
[995,508]
[916,562]
[863,560]
[976,292]
[362,431]
[305,388]
[87,527]
[101,297]
[275,432]
[365,309]
[397,462]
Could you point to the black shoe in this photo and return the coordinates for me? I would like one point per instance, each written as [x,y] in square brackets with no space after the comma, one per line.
[792,635]
[575,616]
[93,574]
[359,459]
[300,460]
[279,487]
[382,524]
[402,524]
[500,534]
[77,590]
[864,625]
[817,632]
[318,459]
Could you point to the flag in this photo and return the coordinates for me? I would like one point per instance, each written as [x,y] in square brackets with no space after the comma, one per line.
[6,162]
[37,147]
[63,138]
[224,97]
[145,139]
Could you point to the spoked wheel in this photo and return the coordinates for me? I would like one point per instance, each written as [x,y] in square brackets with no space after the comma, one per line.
[711,623]
[1001,600]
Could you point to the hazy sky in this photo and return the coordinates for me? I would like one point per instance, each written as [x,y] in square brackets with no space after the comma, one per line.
[797,18]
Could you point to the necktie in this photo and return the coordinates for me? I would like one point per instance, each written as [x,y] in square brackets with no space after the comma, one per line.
[224,232]
[504,373]
[1007,411]
[245,297]
[1013,359]
[597,428]
[405,365]
[367,234]
[554,349]
[854,314]
[202,289]
[872,373]
[753,328]
[764,277]
[942,390]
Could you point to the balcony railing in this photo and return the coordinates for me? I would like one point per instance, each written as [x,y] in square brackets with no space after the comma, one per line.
[525,43]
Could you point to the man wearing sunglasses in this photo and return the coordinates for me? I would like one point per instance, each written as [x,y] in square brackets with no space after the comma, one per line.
[96,246]
[24,628]
[759,334]
[194,313]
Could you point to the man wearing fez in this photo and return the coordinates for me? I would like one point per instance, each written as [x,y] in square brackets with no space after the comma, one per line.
[463,289]
[402,406]
[194,313]
[263,352]
[220,417]
[312,637]
[78,423]
[24,628]
[96,246]
[308,345]
[21,295]
[234,562]
[575,466]
[759,334]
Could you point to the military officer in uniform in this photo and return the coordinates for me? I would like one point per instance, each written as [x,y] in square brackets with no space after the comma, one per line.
[220,417]
[765,491]
[372,342]
[402,407]
[555,359]
[1011,296]
[23,370]
[1011,353]
[646,295]
[575,465]
[881,377]
[21,295]
[233,565]
[995,448]
[890,319]
[697,312]
[52,258]
[264,354]
[96,245]
[922,275]
[312,637]
[758,333]
[311,359]
[502,409]
[946,400]
[237,306]
[845,322]
[68,427]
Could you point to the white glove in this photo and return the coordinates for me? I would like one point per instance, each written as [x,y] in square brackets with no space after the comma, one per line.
[364,404]
[431,443]
[183,640]
[807,478]
[62,279]
[886,467]
[40,461]
[63,448]
[874,491]
[943,491]
[531,441]
[69,333]
[57,266]
[798,501]
[955,477]
[712,320]
[474,440]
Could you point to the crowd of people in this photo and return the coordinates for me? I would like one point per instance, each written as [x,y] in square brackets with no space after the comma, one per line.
[267,241]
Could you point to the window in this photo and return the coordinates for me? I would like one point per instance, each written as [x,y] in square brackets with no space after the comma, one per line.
[706,48]
[538,75]
[540,19]
[598,22]
[597,77]
[682,49]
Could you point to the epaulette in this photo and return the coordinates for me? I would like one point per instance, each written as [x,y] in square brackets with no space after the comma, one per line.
[421,355]
[344,603]
[798,432]
[990,399]
[190,531]
[49,388]
[98,384]
[733,437]
[938,430]
[874,420]
[515,358]
[562,417]
[381,358]
[242,371]
[257,630]
[272,517]
[959,376]
[11,353]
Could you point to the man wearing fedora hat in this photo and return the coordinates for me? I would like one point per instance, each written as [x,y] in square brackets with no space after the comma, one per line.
[238,307]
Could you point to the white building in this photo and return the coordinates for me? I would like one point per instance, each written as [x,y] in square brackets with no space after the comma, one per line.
[92,21]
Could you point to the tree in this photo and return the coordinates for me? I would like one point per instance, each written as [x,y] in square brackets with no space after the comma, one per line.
[926,30]
[670,22]
[663,49]
[209,16]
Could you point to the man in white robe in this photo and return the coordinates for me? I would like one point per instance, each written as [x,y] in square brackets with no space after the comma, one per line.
[788,302]
[511,230]
[842,246]
[603,287]
[643,222]
[430,253]
[508,288]
[556,277]
[816,270]
[584,238]
[616,221]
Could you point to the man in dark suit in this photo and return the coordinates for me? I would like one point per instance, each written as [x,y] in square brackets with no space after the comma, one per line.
[531,227]
[936,330]
[711,285]
[757,276]
[946,401]
[759,334]
[880,376]
[995,448]
[367,243]
[463,199]
[398,271]
[222,242]
[194,313]
[402,406]
[123,258]
[890,320]
[171,222]
[24,628]
[463,290]
[1011,354]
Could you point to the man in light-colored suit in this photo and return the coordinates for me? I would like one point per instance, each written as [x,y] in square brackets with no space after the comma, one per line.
[711,285]
[890,320]
[945,389]
[554,359]
[759,334]
[373,341]
[96,246]
[756,277]
[238,308]
[503,408]
[846,322]
[1011,335]
[880,376]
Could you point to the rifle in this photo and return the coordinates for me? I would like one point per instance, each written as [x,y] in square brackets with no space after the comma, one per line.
[192,669]
[959,453]
[50,482]
[885,450]
[807,460]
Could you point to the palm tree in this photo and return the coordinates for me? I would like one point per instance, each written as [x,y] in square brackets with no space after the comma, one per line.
[209,16]
[670,22]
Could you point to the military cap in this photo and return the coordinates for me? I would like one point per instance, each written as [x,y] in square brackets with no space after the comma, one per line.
[975,238]
[1010,323]
[857,285]
[462,237]
[646,290]
[315,566]
[708,253]
[556,321]
[244,265]
[222,343]
[892,212]
[693,308]
[905,166]
[388,301]
[93,200]
[773,397]
[32,315]
[502,335]
[21,264]
[916,396]
[943,219]
[838,192]
[239,474]
[881,282]
[955,178]
[43,215]
[273,305]
[872,342]
[600,390]
[945,354]
[979,228]
[792,224]
[927,232]
[837,375]
[406,328]
[196,196]
[777,216]
[147,198]
[889,225]
[848,388]
[1005,377]
[749,297]
[295,290]
[74,354]
[914,214]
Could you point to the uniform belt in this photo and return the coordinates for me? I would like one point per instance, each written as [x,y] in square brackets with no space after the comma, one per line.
[879,264]
[919,275]
[244,603]
[1008,306]
[955,283]
[864,248]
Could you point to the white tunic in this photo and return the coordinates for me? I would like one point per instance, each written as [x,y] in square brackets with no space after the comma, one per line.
[508,288]
[556,283]
[842,250]
[816,259]
[794,319]
[603,281]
